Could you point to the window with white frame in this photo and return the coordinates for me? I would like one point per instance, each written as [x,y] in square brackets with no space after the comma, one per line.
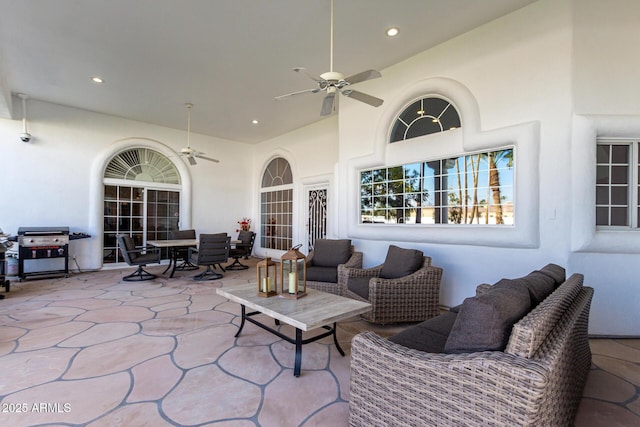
[474,188]
[617,184]
[276,205]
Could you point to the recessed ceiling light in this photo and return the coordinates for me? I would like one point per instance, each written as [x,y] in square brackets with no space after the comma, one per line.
[254,121]
[97,79]
[393,31]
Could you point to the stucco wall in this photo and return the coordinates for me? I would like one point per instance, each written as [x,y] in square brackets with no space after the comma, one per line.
[50,181]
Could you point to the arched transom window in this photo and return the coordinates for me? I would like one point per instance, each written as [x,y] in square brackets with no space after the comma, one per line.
[423,117]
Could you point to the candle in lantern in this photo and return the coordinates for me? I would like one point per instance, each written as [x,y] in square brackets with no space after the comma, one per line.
[270,280]
[292,282]
[264,284]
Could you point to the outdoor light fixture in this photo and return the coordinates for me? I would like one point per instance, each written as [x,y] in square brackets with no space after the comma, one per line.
[293,279]
[267,277]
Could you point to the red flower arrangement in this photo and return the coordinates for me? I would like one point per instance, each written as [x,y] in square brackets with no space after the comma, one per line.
[245,224]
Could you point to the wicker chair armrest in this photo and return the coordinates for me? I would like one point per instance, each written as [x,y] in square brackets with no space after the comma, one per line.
[345,272]
[390,382]
[355,261]
[425,275]
[366,272]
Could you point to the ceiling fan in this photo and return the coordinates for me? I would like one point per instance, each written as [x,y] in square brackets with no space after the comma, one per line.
[189,152]
[333,82]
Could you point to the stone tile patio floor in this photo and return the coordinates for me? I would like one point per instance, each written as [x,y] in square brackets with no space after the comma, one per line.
[94,350]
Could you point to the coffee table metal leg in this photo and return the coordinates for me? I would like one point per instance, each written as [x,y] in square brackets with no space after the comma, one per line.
[171,262]
[175,261]
[243,317]
[335,340]
[298,364]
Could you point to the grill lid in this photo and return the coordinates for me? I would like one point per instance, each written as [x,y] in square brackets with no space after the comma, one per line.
[43,231]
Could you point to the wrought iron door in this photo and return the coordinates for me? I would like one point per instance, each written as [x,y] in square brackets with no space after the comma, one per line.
[317,216]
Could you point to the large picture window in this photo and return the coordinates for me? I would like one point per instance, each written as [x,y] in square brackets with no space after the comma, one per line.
[470,189]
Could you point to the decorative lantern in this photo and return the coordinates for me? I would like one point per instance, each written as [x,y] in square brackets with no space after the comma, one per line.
[267,277]
[293,273]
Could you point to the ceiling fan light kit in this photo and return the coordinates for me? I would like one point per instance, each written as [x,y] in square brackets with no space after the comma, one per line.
[333,82]
[189,152]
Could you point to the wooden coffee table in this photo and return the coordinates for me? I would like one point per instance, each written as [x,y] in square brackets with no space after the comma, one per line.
[316,310]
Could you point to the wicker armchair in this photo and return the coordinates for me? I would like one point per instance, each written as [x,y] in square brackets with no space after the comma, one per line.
[537,381]
[326,259]
[411,298]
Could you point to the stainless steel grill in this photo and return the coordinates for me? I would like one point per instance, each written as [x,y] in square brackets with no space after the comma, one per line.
[39,243]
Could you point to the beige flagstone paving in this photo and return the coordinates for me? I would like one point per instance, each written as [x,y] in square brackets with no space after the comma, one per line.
[93,350]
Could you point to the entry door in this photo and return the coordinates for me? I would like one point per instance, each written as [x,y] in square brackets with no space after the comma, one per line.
[316,215]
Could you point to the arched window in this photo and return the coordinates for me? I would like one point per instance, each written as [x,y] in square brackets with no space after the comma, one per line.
[276,205]
[141,199]
[423,117]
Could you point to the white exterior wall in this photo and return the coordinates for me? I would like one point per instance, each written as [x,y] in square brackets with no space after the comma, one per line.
[50,181]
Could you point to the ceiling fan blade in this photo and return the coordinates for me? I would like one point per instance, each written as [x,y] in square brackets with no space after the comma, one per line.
[281,97]
[308,74]
[192,161]
[365,75]
[207,158]
[363,97]
[327,104]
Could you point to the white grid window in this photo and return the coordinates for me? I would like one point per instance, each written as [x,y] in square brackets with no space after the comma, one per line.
[617,184]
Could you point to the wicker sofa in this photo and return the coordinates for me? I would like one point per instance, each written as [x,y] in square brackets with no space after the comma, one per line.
[536,380]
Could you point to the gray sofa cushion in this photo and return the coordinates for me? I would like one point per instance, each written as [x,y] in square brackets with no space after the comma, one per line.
[430,335]
[557,273]
[322,274]
[484,322]
[331,252]
[401,262]
[359,286]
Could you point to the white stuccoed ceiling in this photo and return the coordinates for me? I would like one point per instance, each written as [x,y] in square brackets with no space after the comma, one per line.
[230,58]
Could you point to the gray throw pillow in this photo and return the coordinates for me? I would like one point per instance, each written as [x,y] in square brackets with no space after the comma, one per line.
[401,262]
[484,322]
[557,273]
[331,252]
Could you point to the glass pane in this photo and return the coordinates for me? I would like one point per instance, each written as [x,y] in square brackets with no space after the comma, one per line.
[366,177]
[619,216]
[619,195]
[125,193]
[412,185]
[620,154]
[379,175]
[110,208]
[396,187]
[412,170]
[602,195]
[619,174]
[602,153]
[395,173]
[110,192]
[602,174]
